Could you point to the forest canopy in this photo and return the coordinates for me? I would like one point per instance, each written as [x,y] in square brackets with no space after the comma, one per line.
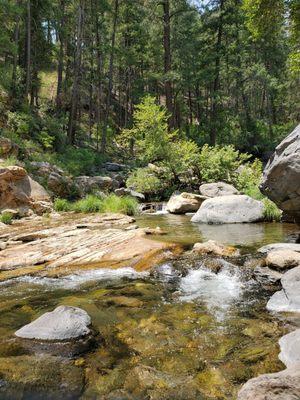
[73,72]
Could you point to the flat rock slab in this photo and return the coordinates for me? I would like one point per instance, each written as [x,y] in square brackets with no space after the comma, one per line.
[64,323]
[279,246]
[290,349]
[284,385]
[86,243]
[230,210]
[287,299]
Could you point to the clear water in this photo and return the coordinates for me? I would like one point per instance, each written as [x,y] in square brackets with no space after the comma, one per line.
[182,331]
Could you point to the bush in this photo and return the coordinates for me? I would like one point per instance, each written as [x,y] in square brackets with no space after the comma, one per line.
[220,163]
[6,218]
[248,179]
[145,181]
[9,161]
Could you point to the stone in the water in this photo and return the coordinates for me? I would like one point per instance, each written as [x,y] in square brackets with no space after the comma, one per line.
[64,323]
[287,299]
[129,192]
[281,179]
[217,189]
[290,349]
[279,246]
[213,247]
[284,385]
[230,210]
[184,202]
[282,259]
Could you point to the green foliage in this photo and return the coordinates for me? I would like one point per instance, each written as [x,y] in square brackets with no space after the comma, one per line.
[62,205]
[248,178]
[220,163]
[93,204]
[145,181]
[149,137]
[6,218]
[11,160]
[90,204]
[271,212]
[125,205]
[79,161]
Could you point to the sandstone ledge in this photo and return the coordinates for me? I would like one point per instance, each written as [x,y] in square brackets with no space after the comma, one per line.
[71,243]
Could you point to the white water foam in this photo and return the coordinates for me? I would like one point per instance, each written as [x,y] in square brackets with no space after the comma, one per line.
[75,280]
[216,290]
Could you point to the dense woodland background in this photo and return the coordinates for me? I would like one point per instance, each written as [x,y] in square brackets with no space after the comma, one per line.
[80,80]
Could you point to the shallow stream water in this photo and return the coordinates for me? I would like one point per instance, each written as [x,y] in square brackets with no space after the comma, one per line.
[183,331]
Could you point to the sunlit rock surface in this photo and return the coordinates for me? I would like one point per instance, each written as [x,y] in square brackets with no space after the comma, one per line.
[281,180]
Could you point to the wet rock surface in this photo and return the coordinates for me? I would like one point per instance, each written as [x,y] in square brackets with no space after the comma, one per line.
[287,299]
[282,259]
[279,247]
[215,248]
[90,242]
[229,210]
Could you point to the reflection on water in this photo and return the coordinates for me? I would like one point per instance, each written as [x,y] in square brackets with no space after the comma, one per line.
[179,229]
[182,332]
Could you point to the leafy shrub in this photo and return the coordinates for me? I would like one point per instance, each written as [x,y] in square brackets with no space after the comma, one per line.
[6,218]
[220,163]
[248,178]
[145,181]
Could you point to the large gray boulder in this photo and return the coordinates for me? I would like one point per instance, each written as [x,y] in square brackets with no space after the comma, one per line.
[287,299]
[64,323]
[184,202]
[284,385]
[229,210]
[281,179]
[290,349]
[217,189]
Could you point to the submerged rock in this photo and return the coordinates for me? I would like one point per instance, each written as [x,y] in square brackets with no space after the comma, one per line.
[217,189]
[282,259]
[184,203]
[213,247]
[287,299]
[64,323]
[290,349]
[229,210]
[40,377]
[284,385]
[281,179]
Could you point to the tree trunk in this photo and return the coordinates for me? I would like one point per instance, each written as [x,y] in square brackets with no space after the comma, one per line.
[60,64]
[110,78]
[28,51]
[168,61]
[77,70]
[216,84]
